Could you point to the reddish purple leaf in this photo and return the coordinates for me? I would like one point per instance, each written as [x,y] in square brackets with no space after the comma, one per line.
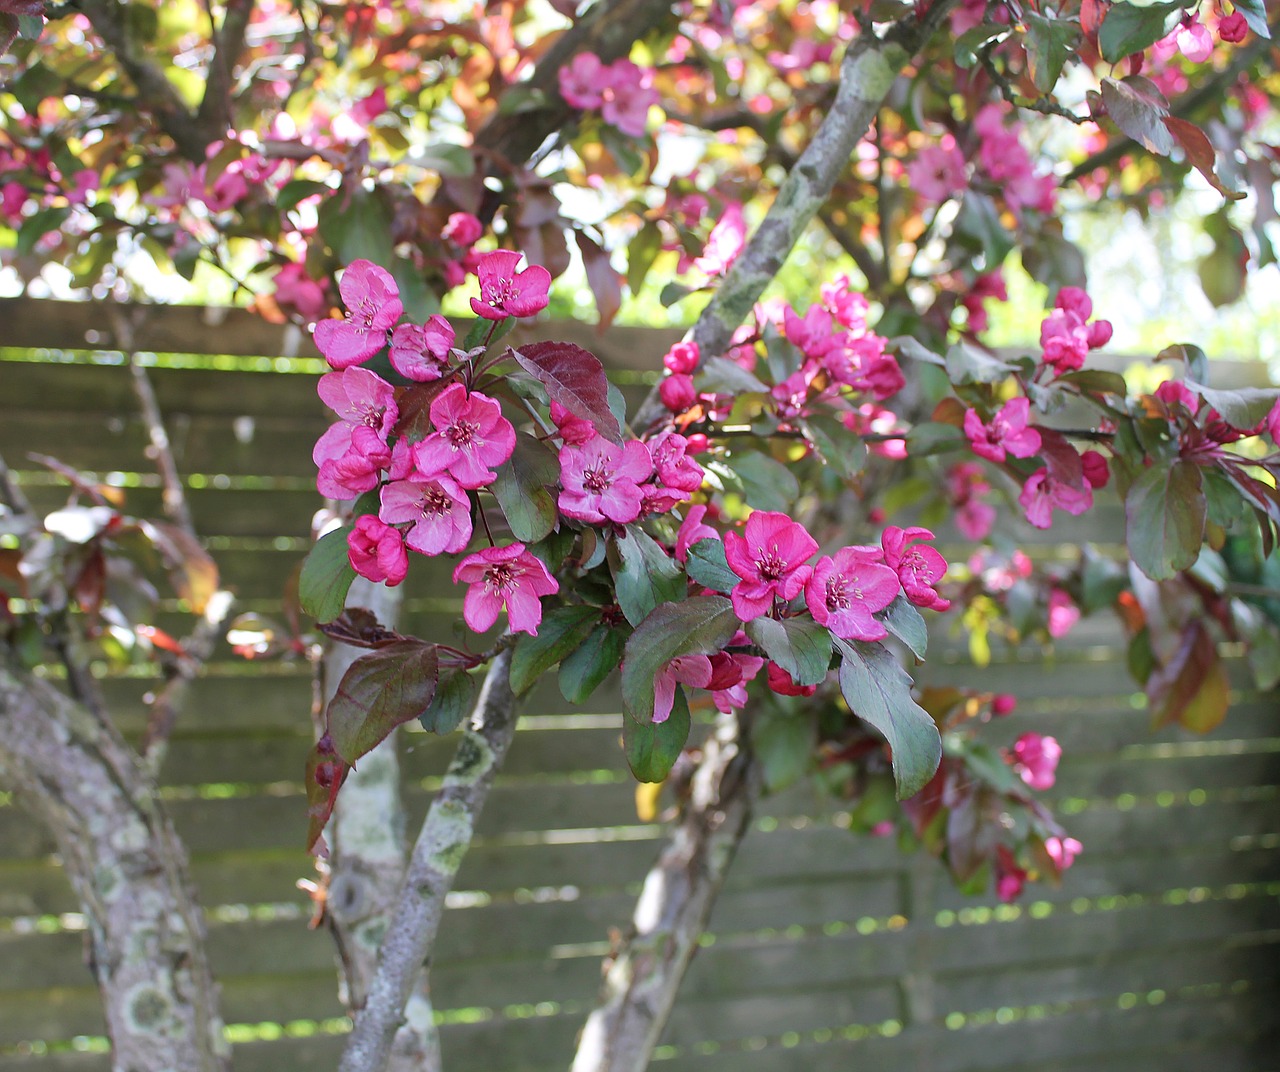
[575,378]
[1200,155]
[325,774]
[380,691]
[603,280]
[1192,687]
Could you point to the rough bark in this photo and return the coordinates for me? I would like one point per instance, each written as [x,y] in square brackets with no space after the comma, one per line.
[127,866]
[673,909]
[445,837]
[366,865]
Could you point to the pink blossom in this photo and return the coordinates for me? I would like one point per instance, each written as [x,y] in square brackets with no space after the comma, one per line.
[1063,613]
[674,468]
[678,393]
[692,530]
[373,306]
[1174,392]
[376,551]
[470,435]
[1062,851]
[919,568]
[462,229]
[845,591]
[505,292]
[504,576]
[965,486]
[1008,432]
[1042,493]
[770,557]
[730,673]
[682,358]
[297,290]
[990,286]
[813,334]
[684,669]
[573,429]
[600,481]
[582,81]
[1066,335]
[975,519]
[1010,878]
[1233,28]
[350,460]
[1095,469]
[726,241]
[783,684]
[938,171]
[360,397]
[1191,38]
[439,509]
[847,305]
[1035,759]
[421,351]
[1003,703]
[627,97]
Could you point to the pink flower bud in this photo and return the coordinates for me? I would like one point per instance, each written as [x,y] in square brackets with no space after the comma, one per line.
[1003,704]
[1099,334]
[682,357]
[1233,29]
[678,393]
[1096,470]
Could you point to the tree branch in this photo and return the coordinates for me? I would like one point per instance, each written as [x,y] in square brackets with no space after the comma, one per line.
[433,865]
[214,115]
[76,775]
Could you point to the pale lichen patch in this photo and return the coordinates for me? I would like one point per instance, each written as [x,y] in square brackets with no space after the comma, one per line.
[451,825]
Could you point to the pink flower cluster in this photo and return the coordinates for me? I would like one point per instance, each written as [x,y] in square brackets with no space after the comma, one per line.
[621,91]
[603,482]
[1067,334]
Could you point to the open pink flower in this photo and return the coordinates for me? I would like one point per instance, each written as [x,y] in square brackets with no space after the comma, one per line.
[1063,613]
[675,470]
[439,509]
[504,576]
[349,460]
[685,670]
[845,591]
[1008,432]
[1042,493]
[582,81]
[626,97]
[376,551]
[470,435]
[770,557]
[505,292]
[359,396]
[1035,759]
[600,481]
[938,171]
[725,242]
[373,306]
[919,568]
[421,351]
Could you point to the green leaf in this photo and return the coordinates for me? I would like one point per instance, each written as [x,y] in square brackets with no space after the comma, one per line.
[720,376]
[784,745]
[800,646]
[1138,108]
[767,484]
[653,748]
[480,328]
[972,41]
[968,364]
[878,691]
[701,625]
[838,447]
[1049,44]
[1096,382]
[673,293]
[455,693]
[644,575]
[561,632]
[978,227]
[1244,409]
[451,161]
[1128,28]
[641,253]
[357,226]
[708,566]
[575,378]
[298,190]
[987,764]
[326,576]
[582,672]
[1164,514]
[31,27]
[906,623]
[380,691]
[521,489]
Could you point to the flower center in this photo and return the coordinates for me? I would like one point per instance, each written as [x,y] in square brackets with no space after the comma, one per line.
[770,565]
[371,415]
[501,291]
[597,479]
[501,578]
[435,503]
[461,434]
[837,593]
[363,315]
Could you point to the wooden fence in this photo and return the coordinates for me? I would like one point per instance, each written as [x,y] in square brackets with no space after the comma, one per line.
[827,951]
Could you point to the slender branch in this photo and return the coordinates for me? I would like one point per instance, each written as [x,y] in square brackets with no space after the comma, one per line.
[433,865]
[214,114]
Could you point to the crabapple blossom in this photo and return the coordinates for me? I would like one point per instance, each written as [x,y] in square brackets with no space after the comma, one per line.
[421,351]
[470,435]
[438,508]
[1035,759]
[573,429]
[692,530]
[349,460]
[505,292]
[1191,37]
[1008,432]
[782,683]
[627,97]
[298,291]
[1066,334]
[1042,493]
[500,577]
[918,567]
[682,358]
[938,171]
[376,551]
[678,393]
[730,674]
[684,669]
[726,241]
[1063,613]
[671,463]
[1233,28]
[770,556]
[965,486]
[1062,851]
[600,481]
[462,229]
[1010,878]
[360,397]
[1095,469]
[373,306]
[845,591]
